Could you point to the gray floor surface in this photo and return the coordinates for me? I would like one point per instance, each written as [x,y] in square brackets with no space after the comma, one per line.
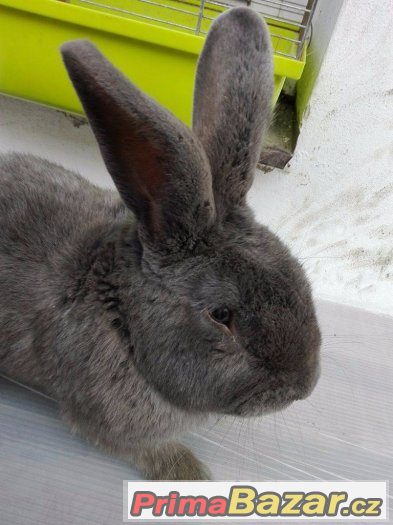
[344,431]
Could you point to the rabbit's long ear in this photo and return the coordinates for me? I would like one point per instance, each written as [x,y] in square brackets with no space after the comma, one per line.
[158,167]
[232,101]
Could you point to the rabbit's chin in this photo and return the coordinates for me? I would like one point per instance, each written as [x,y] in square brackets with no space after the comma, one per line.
[248,409]
[267,402]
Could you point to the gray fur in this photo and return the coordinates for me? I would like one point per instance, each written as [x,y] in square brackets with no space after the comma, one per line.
[104,302]
[232,101]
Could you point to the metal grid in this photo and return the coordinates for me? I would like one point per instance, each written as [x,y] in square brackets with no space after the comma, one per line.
[292,16]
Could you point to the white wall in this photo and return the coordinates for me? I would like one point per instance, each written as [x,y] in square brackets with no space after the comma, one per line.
[334,203]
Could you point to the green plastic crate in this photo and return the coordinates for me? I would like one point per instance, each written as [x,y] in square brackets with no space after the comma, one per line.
[159,56]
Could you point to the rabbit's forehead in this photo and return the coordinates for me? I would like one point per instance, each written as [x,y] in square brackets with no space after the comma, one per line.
[241,266]
[237,278]
[254,252]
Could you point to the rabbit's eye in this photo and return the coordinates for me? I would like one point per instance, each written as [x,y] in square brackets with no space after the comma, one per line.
[221,315]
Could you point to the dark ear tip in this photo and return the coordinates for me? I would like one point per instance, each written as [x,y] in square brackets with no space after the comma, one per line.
[77,48]
[243,20]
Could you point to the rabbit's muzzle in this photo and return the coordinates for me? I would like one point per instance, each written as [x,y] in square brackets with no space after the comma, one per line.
[287,370]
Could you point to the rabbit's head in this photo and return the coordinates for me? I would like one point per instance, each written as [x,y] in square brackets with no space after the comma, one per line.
[228,323]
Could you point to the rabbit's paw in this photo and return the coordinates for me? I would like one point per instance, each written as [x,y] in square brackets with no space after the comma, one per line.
[172,461]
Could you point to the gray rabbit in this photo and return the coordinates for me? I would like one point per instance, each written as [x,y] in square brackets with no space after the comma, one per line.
[142,315]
